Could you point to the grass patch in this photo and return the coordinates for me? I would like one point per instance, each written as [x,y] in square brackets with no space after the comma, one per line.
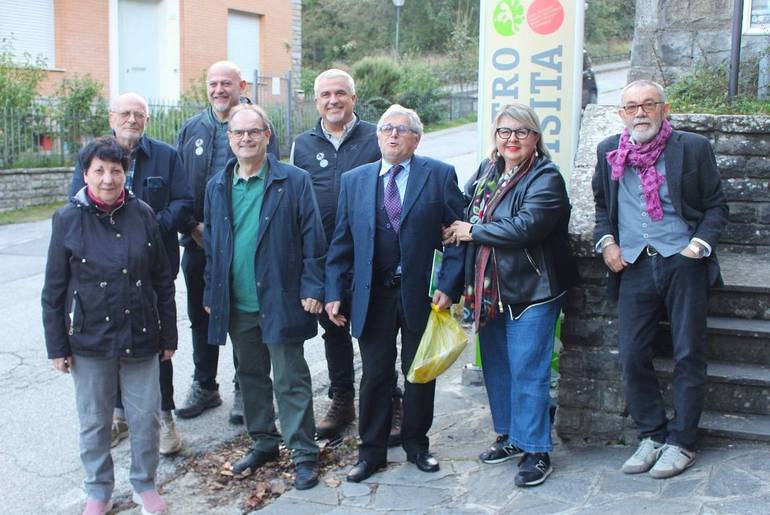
[29,214]
[448,124]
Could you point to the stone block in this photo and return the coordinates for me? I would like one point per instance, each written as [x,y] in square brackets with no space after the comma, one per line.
[746,234]
[676,49]
[745,124]
[700,123]
[588,332]
[758,166]
[591,394]
[745,212]
[600,363]
[743,144]
[732,166]
[593,426]
[747,189]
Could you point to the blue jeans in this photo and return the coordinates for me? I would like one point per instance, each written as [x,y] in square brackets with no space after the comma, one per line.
[516,359]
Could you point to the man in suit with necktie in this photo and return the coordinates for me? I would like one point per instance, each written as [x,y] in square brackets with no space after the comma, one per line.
[389,222]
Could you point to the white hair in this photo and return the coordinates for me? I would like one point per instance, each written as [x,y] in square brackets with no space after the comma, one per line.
[334,73]
[643,83]
[126,96]
[398,110]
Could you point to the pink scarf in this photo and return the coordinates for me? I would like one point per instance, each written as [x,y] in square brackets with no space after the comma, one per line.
[642,158]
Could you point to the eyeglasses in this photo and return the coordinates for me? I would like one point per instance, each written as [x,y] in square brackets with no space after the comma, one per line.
[253,133]
[125,115]
[520,133]
[648,107]
[402,130]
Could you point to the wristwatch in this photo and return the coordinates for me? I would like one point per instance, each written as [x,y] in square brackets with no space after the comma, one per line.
[696,249]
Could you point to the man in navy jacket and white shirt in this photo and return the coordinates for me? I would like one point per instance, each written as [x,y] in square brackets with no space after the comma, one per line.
[389,222]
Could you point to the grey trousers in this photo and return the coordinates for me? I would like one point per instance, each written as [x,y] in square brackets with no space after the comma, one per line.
[292,389]
[96,383]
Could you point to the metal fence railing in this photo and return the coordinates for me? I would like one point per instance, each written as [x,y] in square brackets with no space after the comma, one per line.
[43,135]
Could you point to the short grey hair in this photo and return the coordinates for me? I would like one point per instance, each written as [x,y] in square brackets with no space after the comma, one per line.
[643,83]
[334,73]
[126,96]
[528,118]
[398,110]
[254,108]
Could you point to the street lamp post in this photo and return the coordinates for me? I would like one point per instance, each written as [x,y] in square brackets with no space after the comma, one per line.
[398,4]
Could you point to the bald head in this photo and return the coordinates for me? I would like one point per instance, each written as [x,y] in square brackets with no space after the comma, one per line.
[225,85]
[128,118]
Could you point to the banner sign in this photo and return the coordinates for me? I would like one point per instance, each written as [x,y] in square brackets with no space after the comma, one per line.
[531,52]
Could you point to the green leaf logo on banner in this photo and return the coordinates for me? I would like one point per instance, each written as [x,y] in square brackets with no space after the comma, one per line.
[508,17]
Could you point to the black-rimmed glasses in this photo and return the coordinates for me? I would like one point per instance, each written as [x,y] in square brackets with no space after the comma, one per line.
[253,133]
[520,133]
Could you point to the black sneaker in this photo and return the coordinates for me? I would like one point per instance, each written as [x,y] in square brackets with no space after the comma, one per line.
[533,469]
[501,450]
[198,399]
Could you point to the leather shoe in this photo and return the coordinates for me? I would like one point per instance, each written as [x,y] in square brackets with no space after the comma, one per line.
[362,470]
[306,475]
[425,461]
[254,459]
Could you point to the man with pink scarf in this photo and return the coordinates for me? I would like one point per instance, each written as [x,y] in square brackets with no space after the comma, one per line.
[659,212]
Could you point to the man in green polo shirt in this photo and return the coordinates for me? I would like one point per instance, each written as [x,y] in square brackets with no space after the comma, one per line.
[265,253]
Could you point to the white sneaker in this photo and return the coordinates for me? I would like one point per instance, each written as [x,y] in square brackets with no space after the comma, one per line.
[644,457]
[673,460]
[170,441]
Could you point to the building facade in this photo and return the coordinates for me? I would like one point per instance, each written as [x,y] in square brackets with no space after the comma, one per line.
[153,47]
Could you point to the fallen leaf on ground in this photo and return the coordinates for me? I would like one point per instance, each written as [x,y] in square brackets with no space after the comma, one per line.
[332,483]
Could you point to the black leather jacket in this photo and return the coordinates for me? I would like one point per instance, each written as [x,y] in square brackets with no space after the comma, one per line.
[528,235]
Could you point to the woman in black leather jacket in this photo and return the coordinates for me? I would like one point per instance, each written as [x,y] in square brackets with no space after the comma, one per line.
[518,268]
[108,313]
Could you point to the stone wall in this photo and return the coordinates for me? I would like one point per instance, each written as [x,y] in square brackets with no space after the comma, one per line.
[591,403]
[31,187]
[671,36]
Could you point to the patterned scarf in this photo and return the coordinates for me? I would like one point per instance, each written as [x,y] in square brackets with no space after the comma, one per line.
[482,294]
[103,206]
[643,158]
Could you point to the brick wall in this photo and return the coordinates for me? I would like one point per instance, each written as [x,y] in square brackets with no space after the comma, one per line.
[32,187]
[204,35]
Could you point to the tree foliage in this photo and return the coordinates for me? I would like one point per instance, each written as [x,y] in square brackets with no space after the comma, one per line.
[348,30]
[19,78]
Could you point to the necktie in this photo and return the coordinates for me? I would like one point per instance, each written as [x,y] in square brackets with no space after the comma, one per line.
[393,199]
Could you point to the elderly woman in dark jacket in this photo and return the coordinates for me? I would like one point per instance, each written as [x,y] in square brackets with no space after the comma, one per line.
[518,267]
[108,312]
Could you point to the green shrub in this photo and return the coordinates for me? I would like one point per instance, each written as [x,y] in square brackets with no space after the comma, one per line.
[81,111]
[19,79]
[377,77]
[704,90]
[420,90]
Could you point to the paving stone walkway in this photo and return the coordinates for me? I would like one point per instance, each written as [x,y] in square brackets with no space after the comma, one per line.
[726,479]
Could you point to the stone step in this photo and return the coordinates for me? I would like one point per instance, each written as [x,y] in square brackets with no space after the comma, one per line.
[730,386]
[729,339]
[746,293]
[735,426]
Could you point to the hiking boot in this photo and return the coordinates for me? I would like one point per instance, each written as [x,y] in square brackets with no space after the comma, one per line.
[254,459]
[644,457]
[306,475]
[501,450]
[119,431]
[94,507]
[341,413]
[198,399]
[150,501]
[236,412]
[673,460]
[394,438]
[170,441]
[533,469]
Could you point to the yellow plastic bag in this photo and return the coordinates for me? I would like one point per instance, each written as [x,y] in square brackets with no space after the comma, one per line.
[440,346]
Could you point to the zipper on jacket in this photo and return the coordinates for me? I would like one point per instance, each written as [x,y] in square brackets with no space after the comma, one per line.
[497,280]
[532,262]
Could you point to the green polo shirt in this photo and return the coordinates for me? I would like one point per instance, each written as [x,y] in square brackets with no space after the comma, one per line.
[247,205]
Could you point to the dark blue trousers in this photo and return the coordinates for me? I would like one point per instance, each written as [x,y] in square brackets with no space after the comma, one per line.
[678,286]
